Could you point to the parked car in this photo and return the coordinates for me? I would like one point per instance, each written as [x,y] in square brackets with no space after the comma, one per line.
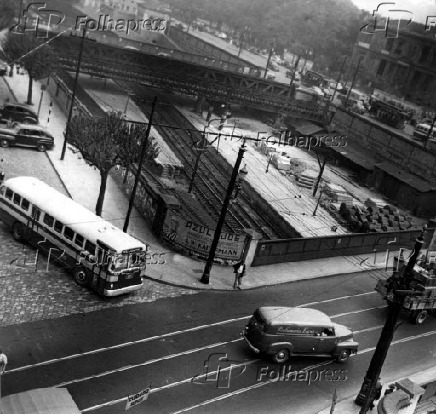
[282,332]
[16,112]
[24,135]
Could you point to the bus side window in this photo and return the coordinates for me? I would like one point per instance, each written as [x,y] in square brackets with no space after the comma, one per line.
[58,226]
[17,199]
[68,233]
[2,190]
[90,247]
[9,193]
[79,240]
[48,220]
[25,204]
[36,213]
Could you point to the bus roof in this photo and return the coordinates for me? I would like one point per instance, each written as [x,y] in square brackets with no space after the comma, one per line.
[277,315]
[72,214]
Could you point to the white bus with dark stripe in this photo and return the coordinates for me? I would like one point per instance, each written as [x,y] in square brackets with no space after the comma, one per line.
[100,255]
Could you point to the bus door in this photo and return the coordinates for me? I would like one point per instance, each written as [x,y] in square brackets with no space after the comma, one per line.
[33,226]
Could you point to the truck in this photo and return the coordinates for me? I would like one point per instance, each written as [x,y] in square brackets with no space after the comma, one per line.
[420,299]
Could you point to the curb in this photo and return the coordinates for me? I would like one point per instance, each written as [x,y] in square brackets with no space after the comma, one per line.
[10,89]
[180,285]
[58,175]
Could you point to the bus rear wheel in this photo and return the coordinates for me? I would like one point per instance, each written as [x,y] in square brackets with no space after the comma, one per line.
[81,276]
[18,231]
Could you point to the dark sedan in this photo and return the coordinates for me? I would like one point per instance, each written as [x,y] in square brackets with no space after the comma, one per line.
[16,112]
[32,136]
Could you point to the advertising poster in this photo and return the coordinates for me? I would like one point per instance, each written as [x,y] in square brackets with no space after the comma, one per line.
[197,238]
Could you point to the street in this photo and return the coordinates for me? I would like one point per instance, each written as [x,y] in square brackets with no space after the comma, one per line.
[103,356]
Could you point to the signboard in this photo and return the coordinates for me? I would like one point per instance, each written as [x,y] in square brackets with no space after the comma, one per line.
[199,238]
[133,400]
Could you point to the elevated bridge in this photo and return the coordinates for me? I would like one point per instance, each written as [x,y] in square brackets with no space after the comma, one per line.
[105,60]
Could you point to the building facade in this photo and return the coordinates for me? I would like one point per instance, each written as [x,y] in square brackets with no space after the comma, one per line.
[402,63]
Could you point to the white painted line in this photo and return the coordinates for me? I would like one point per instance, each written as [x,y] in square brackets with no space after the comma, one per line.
[338,315]
[149,362]
[169,334]
[261,384]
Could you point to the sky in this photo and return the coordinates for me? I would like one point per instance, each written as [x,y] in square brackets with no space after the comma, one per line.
[420,8]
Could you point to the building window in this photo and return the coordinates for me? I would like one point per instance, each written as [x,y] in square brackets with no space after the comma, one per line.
[381,68]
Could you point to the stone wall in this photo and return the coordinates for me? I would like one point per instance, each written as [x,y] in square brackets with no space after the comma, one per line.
[386,145]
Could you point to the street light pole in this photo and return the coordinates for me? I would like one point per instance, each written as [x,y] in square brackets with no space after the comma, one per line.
[367,392]
[73,95]
[138,172]
[216,237]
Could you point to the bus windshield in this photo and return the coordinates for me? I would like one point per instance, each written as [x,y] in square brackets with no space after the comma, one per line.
[130,260]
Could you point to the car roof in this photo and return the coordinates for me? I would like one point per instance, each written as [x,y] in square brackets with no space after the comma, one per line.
[32,126]
[279,315]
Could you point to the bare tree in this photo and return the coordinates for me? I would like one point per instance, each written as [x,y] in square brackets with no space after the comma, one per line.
[325,156]
[37,57]
[107,142]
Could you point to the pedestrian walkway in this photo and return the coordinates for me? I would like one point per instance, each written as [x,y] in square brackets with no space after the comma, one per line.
[422,378]
[83,181]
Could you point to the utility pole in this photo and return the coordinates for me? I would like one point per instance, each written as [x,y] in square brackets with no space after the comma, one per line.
[216,237]
[366,394]
[339,78]
[138,172]
[354,78]
[73,96]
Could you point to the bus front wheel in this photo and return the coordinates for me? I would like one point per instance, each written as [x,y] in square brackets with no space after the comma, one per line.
[81,276]
[18,231]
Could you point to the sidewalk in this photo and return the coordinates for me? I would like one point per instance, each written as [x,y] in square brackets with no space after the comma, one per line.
[347,406]
[82,183]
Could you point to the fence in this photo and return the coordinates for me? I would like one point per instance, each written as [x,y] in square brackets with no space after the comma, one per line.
[293,250]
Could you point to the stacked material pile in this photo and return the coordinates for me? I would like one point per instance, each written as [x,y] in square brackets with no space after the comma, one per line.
[361,219]
[338,194]
[266,148]
[306,179]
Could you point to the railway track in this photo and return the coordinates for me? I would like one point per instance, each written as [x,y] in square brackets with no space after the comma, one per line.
[213,174]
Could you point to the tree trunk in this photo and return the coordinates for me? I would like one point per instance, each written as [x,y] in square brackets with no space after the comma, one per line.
[315,188]
[103,183]
[29,92]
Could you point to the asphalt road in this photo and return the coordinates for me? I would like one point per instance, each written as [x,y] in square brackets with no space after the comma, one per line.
[103,356]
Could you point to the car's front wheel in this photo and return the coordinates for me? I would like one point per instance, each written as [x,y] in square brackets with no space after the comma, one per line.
[41,147]
[344,355]
[4,143]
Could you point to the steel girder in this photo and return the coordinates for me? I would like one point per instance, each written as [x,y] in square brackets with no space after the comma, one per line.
[105,60]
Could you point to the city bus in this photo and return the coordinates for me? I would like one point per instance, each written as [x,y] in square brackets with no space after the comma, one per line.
[100,255]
